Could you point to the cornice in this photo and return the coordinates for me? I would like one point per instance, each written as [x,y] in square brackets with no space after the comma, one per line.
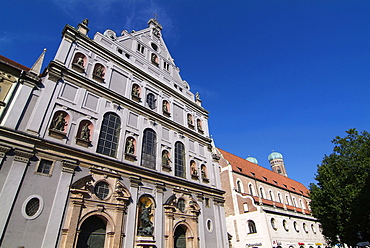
[41,145]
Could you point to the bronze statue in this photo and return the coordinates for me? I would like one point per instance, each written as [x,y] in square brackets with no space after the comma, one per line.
[130,147]
[59,123]
[85,132]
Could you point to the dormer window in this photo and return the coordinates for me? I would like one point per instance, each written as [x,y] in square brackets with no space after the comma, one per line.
[140,48]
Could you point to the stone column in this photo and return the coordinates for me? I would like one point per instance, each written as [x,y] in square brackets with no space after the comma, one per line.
[12,185]
[131,213]
[61,196]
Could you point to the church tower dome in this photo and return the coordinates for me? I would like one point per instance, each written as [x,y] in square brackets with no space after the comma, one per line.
[277,163]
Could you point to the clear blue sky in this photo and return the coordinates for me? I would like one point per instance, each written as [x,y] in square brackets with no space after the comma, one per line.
[283,75]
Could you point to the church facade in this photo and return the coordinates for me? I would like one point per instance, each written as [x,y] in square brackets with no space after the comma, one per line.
[108,147]
[264,208]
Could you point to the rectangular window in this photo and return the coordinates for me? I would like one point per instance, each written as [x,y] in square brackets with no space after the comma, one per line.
[140,48]
[166,66]
[44,167]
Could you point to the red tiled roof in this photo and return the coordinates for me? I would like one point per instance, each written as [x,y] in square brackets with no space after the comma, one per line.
[13,64]
[250,169]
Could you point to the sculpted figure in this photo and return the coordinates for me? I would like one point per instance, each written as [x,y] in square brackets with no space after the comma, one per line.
[59,122]
[99,71]
[146,228]
[80,61]
[130,148]
[85,132]
[135,91]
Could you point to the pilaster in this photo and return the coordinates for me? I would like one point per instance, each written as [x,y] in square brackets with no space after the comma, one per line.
[59,203]
[11,186]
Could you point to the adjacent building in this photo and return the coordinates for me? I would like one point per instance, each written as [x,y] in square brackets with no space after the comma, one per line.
[264,208]
[108,147]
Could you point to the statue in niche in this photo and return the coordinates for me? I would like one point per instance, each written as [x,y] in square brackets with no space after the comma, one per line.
[80,61]
[203,172]
[59,123]
[154,59]
[146,228]
[190,120]
[135,91]
[193,169]
[85,132]
[130,147]
[165,159]
[99,72]
[199,125]
[165,108]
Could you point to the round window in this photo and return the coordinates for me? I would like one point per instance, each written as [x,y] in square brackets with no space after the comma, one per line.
[102,190]
[32,207]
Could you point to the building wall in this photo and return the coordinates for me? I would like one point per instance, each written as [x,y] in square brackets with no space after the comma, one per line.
[52,157]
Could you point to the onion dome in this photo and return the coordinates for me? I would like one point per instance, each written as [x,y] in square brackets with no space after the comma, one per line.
[275,155]
[252,159]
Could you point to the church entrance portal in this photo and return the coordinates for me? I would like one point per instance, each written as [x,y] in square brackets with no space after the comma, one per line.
[92,233]
[180,237]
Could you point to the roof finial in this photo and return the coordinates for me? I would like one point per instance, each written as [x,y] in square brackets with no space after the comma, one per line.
[36,68]
[155,16]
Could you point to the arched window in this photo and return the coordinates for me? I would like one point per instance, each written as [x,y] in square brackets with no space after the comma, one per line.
[262,195]
[279,197]
[109,134]
[239,186]
[154,59]
[250,189]
[302,204]
[287,199]
[180,160]
[92,233]
[150,100]
[271,195]
[252,226]
[149,151]
[294,203]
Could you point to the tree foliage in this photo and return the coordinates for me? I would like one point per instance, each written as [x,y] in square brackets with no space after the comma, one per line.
[341,198]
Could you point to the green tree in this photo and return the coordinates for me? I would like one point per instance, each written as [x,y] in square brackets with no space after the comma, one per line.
[341,198]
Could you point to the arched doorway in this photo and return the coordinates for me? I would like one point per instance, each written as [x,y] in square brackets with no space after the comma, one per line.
[92,234]
[180,237]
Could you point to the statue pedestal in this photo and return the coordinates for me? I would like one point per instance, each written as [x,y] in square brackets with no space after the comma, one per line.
[145,242]
[82,142]
[57,134]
